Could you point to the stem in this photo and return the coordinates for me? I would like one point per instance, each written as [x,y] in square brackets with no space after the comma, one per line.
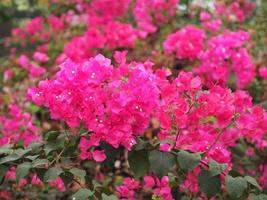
[217,139]
[58,157]
[179,130]
[177,137]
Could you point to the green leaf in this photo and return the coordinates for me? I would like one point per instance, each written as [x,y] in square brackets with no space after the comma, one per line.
[96,184]
[141,144]
[252,181]
[18,153]
[60,141]
[258,197]
[161,162]
[9,158]
[49,148]
[67,177]
[209,185]
[6,149]
[51,136]
[40,173]
[21,152]
[139,163]
[78,172]
[22,170]
[39,162]
[82,194]
[3,170]
[216,168]
[52,174]
[108,197]
[188,161]
[235,186]
[32,157]
[34,145]
[234,173]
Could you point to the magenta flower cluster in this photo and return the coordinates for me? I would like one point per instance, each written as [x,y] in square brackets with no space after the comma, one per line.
[115,104]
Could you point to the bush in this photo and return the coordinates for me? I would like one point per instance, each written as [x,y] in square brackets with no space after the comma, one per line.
[139,99]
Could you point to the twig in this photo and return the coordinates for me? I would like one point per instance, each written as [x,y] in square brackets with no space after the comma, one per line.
[177,137]
[58,157]
[218,138]
[179,130]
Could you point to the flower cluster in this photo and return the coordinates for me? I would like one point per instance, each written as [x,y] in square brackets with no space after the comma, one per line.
[112,35]
[33,68]
[235,11]
[159,188]
[113,103]
[186,43]
[18,127]
[191,117]
[263,72]
[208,22]
[225,53]
[11,176]
[34,26]
[151,13]
[118,105]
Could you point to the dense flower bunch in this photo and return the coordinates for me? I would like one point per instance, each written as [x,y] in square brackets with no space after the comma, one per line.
[17,127]
[209,22]
[235,10]
[186,43]
[133,127]
[192,117]
[113,103]
[104,31]
[225,53]
[41,28]
[189,116]
[151,13]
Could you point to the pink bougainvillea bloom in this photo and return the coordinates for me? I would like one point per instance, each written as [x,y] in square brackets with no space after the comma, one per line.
[226,53]
[186,43]
[127,189]
[150,14]
[149,182]
[56,22]
[236,11]
[24,61]
[263,72]
[8,74]
[36,181]
[40,57]
[34,26]
[99,156]
[164,147]
[124,106]
[58,183]
[204,15]
[212,25]
[36,71]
